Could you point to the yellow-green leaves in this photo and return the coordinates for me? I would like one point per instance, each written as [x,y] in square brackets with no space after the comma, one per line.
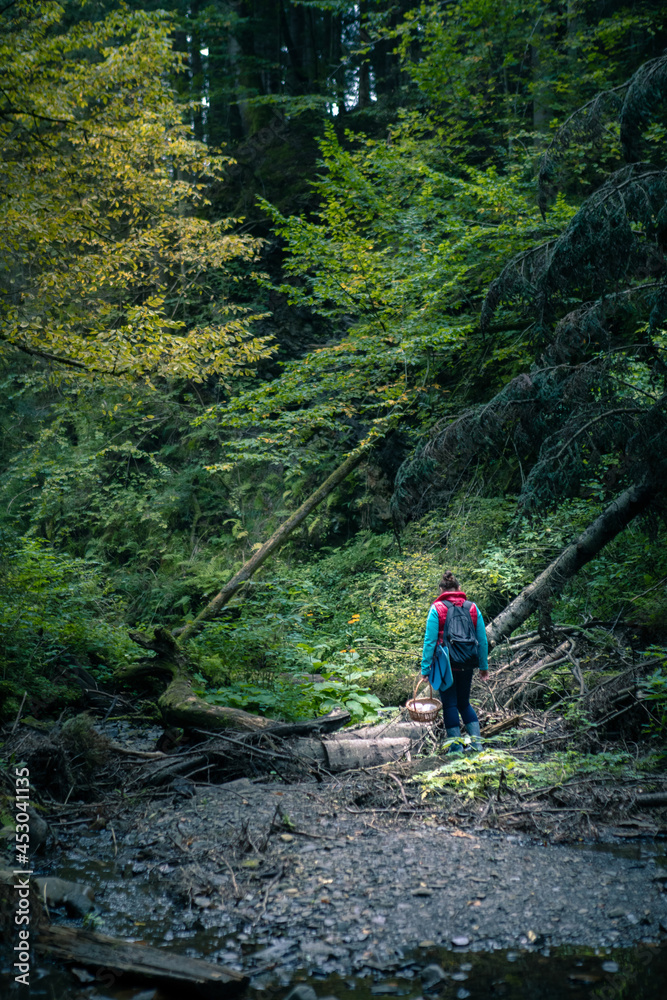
[104,255]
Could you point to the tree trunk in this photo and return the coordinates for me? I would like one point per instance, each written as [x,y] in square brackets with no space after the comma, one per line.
[274,542]
[179,704]
[136,960]
[609,524]
[348,755]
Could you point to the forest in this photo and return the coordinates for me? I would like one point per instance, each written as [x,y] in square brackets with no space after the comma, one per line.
[303,302]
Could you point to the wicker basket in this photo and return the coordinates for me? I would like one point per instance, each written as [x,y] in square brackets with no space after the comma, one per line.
[423,709]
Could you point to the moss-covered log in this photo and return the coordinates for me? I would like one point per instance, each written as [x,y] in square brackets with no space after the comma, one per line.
[180,706]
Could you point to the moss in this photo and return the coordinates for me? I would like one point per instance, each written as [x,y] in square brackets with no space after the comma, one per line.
[87,748]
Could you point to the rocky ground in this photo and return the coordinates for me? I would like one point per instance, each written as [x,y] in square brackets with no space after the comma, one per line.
[270,877]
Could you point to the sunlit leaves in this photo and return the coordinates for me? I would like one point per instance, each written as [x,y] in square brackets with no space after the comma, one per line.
[104,256]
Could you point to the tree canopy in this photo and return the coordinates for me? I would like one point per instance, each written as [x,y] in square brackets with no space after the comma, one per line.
[109,264]
[242,241]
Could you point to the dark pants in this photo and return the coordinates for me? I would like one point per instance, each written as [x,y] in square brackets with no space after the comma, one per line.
[456,698]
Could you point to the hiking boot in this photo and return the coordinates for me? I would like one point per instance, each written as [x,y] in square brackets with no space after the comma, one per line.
[472,729]
[455,734]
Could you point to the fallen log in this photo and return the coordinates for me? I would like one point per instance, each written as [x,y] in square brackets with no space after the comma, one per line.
[500,727]
[601,531]
[180,705]
[335,720]
[348,755]
[387,730]
[651,800]
[137,960]
[522,681]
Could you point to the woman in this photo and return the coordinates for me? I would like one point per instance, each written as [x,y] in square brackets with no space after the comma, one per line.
[456,698]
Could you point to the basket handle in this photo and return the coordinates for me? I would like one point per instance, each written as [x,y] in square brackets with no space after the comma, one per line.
[418,684]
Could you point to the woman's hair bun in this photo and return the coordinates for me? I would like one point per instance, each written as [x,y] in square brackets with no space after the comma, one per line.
[448,582]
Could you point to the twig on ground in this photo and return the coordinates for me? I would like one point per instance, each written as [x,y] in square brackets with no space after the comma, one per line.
[237,892]
[400,785]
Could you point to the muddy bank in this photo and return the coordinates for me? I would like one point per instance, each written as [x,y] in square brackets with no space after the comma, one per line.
[261,874]
[335,879]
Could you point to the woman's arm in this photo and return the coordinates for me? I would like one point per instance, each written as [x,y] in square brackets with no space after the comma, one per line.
[483,642]
[430,640]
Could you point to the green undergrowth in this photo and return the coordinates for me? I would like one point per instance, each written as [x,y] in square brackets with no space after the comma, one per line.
[322,624]
[479,774]
[56,614]
[299,694]
[299,699]
[654,690]
[362,606]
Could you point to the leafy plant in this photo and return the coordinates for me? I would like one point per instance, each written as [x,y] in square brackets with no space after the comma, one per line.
[477,775]
[55,613]
[654,691]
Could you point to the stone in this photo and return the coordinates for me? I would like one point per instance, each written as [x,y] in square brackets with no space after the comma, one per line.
[39,829]
[82,975]
[610,967]
[432,975]
[76,897]
[460,941]
[616,911]
[302,992]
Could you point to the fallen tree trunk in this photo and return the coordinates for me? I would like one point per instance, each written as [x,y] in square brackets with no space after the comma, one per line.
[137,960]
[348,755]
[279,536]
[179,704]
[651,800]
[521,682]
[609,524]
[387,730]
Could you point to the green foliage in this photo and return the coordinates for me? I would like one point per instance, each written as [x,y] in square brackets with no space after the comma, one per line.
[654,692]
[55,613]
[480,774]
[398,253]
[294,699]
[107,263]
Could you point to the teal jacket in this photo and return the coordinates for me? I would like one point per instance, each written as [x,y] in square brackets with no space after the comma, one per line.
[431,641]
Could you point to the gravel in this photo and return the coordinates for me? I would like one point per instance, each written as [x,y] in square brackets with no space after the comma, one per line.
[348,890]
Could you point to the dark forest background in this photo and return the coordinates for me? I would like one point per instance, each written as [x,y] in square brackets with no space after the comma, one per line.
[238,239]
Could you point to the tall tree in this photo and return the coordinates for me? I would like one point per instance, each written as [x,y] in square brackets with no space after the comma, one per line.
[106,260]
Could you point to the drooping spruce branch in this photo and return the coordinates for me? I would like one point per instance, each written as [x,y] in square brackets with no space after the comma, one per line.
[554,422]
[617,238]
